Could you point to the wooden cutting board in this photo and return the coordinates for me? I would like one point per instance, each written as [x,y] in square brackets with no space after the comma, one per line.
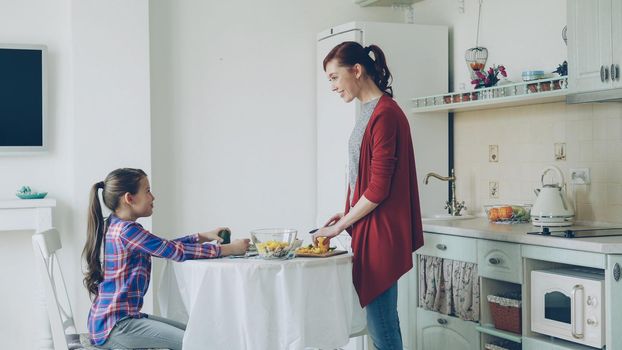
[325,255]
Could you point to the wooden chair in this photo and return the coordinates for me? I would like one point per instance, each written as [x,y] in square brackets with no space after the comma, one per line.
[64,333]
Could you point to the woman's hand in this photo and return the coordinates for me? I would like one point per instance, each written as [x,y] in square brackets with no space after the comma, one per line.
[236,247]
[333,220]
[211,235]
[330,229]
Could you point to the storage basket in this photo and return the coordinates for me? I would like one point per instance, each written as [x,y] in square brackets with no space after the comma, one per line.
[506,313]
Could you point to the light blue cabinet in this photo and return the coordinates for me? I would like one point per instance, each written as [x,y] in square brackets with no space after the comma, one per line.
[506,266]
[613,300]
[442,332]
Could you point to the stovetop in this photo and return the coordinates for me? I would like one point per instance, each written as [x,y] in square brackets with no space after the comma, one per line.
[582,233]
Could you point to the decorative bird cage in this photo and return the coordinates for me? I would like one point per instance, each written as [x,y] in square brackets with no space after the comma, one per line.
[476,57]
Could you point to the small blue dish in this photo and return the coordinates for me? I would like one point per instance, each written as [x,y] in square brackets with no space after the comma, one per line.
[32,195]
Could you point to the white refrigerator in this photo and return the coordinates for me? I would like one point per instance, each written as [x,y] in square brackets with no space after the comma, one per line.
[417,56]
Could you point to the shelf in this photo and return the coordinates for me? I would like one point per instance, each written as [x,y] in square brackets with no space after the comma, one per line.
[490,329]
[544,342]
[511,95]
[365,3]
[15,203]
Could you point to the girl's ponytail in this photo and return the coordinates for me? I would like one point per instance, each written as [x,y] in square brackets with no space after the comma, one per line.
[115,186]
[381,75]
[93,247]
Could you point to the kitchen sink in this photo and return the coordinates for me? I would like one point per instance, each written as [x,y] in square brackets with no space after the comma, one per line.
[441,217]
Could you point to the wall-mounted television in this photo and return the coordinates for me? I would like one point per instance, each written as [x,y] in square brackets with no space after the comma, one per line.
[22,97]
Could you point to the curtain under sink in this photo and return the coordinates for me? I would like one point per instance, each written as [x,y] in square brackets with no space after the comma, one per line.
[449,287]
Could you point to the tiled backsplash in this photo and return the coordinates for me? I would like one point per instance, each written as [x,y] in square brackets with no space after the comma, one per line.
[526,136]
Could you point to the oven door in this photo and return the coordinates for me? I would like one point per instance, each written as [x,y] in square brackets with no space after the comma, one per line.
[567,307]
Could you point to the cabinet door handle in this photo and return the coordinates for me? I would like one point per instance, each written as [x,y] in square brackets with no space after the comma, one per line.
[494,261]
[442,321]
[613,72]
[441,247]
[602,74]
[606,73]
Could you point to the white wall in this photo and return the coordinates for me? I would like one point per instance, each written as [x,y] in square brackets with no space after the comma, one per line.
[526,35]
[233,110]
[98,93]
[522,35]
[110,41]
[526,137]
[36,22]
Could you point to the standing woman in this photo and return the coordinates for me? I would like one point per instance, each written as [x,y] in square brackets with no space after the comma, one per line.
[382,208]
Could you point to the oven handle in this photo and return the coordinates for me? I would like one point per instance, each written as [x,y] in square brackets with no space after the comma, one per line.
[573,315]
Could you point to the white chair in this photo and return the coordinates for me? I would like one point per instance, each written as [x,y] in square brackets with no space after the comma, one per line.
[61,317]
[64,333]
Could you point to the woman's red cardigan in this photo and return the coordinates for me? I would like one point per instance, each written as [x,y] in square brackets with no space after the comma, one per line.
[383,241]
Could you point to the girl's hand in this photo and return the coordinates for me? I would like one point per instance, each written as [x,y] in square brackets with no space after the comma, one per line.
[211,235]
[236,247]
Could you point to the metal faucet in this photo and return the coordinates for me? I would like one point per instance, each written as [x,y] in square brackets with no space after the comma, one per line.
[454,207]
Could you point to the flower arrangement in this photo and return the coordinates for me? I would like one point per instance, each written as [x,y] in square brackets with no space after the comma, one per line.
[491,78]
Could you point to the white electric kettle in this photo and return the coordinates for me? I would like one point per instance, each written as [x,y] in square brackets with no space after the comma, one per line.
[551,207]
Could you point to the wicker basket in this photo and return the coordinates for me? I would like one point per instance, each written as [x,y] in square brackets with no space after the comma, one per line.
[506,313]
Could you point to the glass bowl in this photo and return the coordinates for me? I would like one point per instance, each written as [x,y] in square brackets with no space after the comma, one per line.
[508,213]
[274,243]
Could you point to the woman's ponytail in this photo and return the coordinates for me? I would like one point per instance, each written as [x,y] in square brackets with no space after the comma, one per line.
[381,75]
[93,247]
[349,53]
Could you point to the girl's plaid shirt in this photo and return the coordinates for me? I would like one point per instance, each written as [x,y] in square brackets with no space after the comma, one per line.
[127,271]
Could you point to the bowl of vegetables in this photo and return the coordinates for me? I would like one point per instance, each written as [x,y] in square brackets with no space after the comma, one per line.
[274,243]
[508,213]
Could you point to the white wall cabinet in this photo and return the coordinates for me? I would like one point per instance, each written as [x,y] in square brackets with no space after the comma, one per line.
[594,44]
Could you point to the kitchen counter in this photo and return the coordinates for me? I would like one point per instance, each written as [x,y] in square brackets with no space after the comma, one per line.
[517,233]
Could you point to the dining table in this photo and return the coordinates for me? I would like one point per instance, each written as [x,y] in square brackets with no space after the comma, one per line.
[260,304]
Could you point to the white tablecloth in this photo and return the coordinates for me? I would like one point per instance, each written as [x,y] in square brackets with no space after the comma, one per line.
[260,304]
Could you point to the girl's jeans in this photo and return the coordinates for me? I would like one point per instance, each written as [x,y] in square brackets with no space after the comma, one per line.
[146,333]
[383,323]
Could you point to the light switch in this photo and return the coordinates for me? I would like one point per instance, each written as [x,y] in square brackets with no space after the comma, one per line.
[493,153]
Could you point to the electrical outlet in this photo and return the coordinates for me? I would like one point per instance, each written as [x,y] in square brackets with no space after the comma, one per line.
[493,189]
[580,176]
[560,151]
[493,153]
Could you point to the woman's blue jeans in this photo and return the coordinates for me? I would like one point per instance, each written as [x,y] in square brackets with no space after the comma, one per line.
[383,322]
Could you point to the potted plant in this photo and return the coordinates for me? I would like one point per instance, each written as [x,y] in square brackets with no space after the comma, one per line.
[562,70]
[491,78]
